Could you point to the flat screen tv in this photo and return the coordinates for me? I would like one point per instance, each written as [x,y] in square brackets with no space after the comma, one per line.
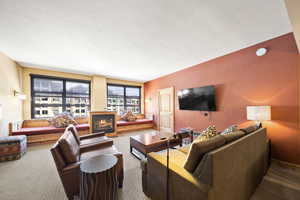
[201,98]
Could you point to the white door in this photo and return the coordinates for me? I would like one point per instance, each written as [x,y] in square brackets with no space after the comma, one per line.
[166,109]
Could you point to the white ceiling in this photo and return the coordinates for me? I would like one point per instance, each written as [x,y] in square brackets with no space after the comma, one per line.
[134,39]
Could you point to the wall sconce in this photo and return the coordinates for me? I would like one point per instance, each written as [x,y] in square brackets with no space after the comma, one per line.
[148,100]
[19,95]
[261,51]
[258,114]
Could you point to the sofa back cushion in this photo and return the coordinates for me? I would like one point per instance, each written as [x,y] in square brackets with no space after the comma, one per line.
[69,147]
[229,137]
[250,129]
[198,150]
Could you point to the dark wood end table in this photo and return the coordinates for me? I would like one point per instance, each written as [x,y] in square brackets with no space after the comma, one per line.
[153,142]
[98,178]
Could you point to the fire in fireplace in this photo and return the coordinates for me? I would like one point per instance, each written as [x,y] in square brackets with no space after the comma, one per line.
[103,123]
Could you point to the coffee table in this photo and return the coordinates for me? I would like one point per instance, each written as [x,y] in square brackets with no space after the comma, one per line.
[153,142]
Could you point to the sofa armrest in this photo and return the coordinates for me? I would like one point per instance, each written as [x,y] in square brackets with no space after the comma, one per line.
[92,135]
[96,146]
[180,180]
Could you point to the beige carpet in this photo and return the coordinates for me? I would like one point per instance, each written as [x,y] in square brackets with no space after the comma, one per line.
[35,177]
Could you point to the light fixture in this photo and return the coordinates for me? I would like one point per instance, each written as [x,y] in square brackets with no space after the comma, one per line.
[261,51]
[259,113]
[148,100]
[19,95]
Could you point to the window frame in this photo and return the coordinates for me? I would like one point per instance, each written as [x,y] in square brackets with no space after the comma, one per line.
[64,92]
[125,97]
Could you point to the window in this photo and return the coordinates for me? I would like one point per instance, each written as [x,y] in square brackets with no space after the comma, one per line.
[51,96]
[123,98]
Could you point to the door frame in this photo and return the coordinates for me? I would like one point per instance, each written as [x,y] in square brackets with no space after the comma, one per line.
[173,107]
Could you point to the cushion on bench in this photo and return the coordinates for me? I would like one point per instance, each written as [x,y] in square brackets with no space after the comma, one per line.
[138,121]
[46,130]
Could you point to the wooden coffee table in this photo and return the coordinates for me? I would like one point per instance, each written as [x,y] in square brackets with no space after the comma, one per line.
[153,142]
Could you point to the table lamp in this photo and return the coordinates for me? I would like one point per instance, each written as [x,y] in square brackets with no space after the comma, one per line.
[259,114]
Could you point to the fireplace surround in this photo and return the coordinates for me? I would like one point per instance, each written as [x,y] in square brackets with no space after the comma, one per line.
[103,122]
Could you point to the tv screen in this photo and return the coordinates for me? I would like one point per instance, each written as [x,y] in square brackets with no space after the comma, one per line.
[201,98]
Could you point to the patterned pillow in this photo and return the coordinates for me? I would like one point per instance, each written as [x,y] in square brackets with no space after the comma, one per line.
[129,116]
[209,132]
[62,120]
[230,129]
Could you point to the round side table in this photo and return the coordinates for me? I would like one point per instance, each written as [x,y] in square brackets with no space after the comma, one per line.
[98,178]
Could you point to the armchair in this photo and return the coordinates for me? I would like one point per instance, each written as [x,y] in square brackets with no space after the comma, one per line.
[68,155]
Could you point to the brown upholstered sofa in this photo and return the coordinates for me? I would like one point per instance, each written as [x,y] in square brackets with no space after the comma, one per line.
[232,171]
[70,150]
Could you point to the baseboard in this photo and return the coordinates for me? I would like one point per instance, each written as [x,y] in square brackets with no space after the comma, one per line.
[288,164]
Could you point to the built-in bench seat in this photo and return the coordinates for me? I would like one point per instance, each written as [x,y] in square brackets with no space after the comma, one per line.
[47,130]
[42,131]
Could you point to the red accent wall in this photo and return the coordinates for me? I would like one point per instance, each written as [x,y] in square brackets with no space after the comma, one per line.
[241,79]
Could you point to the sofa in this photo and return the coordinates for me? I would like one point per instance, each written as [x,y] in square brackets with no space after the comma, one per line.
[68,154]
[39,130]
[232,171]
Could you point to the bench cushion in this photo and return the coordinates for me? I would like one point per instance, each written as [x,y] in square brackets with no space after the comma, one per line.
[138,121]
[79,127]
[46,130]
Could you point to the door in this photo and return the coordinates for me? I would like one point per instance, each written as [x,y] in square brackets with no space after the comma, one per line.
[166,109]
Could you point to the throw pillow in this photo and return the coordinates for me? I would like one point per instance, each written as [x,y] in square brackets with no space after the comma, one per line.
[229,137]
[62,120]
[129,116]
[230,129]
[209,132]
[199,148]
[250,129]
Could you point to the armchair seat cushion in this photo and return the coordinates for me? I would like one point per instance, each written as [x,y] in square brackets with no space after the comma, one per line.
[102,139]
[138,121]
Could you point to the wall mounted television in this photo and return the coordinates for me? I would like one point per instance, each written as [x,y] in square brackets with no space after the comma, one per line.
[201,98]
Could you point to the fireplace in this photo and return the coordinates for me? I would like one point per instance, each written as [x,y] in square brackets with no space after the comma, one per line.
[103,122]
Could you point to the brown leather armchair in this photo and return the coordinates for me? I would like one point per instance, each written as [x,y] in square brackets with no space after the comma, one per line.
[68,155]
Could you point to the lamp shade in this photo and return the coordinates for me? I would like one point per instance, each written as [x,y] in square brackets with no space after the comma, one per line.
[259,113]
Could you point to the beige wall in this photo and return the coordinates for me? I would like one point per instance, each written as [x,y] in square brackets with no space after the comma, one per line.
[293,7]
[98,87]
[10,80]
[98,93]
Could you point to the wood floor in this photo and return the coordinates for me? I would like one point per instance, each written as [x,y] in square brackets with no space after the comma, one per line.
[282,182]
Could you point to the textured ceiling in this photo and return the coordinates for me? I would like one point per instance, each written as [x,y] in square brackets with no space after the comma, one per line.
[134,39]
